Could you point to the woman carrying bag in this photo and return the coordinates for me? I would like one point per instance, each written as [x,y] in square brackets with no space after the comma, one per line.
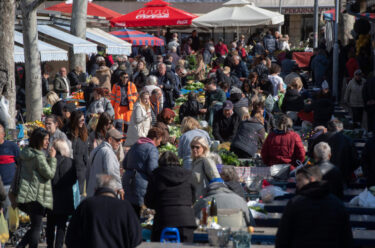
[35,191]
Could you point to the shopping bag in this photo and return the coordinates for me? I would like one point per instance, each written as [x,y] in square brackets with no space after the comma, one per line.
[14,219]
[76,195]
[4,232]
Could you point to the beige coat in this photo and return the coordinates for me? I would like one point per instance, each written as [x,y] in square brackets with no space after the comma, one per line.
[104,76]
[204,170]
[140,124]
[353,93]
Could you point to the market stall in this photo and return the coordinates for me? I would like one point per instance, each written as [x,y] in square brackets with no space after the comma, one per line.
[138,38]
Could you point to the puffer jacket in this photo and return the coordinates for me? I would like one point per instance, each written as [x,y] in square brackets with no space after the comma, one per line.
[139,163]
[35,178]
[249,137]
[283,148]
[353,93]
[140,124]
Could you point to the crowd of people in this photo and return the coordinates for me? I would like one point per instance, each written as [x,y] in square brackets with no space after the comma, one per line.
[253,98]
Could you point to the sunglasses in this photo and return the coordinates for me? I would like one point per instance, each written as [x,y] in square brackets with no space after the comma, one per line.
[195,147]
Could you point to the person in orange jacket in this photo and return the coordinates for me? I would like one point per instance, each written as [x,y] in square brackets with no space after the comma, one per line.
[124,95]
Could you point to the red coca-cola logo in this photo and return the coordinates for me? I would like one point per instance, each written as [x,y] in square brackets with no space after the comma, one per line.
[182,22]
[152,14]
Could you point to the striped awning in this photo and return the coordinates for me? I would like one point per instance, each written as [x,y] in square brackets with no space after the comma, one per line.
[138,38]
[79,45]
[111,46]
[47,52]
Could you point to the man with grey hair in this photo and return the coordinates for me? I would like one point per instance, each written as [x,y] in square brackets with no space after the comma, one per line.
[156,101]
[239,68]
[331,174]
[103,220]
[167,82]
[208,55]
[343,152]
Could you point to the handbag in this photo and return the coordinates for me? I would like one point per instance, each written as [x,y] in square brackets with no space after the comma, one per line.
[15,185]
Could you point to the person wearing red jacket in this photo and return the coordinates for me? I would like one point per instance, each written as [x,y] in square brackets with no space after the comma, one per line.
[283,146]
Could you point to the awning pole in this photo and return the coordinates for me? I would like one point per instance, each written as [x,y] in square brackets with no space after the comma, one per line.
[335,78]
[280,10]
[316,22]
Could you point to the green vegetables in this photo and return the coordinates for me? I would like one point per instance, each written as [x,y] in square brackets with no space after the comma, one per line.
[194,86]
[168,147]
[47,111]
[259,209]
[174,131]
[229,158]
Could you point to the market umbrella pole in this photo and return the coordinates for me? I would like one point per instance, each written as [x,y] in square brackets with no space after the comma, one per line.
[316,22]
[335,78]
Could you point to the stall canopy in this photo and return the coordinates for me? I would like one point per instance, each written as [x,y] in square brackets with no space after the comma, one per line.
[79,45]
[239,13]
[92,10]
[112,47]
[47,52]
[330,15]
[19,57]
[155,13]
[138,38]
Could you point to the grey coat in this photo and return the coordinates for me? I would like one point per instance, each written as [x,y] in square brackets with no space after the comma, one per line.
[100,106]
[225,199]
[102,160]
[204,170]
[59,86]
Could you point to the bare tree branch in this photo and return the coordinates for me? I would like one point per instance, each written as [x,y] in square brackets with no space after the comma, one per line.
[36,4]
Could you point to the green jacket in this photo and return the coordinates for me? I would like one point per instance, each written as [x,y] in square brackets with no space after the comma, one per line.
[35,177]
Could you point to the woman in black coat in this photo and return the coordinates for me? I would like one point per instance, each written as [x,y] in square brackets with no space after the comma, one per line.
[190,108]
[293,101]
[78,135]
[250,134]
[170,192]
[62,189]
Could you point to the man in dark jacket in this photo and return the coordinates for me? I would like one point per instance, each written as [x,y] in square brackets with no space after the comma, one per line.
[191,107]
[331,174]
[214,100]
[369,100]
[368,162]
[344,153]
[45,83]
[148,54]
[239,100]
[239,68]
[103,221]
[314,217]
[167,82]
[139,163]
[225,123]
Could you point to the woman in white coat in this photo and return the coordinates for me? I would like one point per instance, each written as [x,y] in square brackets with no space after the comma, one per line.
[140,121]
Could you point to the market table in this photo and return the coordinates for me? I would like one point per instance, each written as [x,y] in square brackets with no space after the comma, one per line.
[174,245]
[278,207]
[268,235]
[348,194]
[358,221]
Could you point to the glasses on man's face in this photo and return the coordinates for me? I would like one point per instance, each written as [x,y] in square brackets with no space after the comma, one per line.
[195,147]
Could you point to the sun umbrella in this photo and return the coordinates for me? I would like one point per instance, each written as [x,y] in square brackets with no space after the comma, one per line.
[92,10]
[239,13]
[137,38]
[155,13]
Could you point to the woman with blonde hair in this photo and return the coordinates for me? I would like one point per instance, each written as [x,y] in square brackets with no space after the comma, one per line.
[190,128]
[203,167]
[140,121]
[62,192]
[56,103]
[250,133]
[293,101]
[199,73]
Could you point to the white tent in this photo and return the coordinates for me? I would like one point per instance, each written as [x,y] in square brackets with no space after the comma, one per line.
[239,13]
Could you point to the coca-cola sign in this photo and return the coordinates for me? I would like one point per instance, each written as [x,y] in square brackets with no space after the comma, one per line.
[153,14]
[182,22]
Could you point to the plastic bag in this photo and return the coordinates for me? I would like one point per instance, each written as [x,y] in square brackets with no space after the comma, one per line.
[280,171]
[76,195]
[364,199]
[268,193]
[14,219]
[4,232]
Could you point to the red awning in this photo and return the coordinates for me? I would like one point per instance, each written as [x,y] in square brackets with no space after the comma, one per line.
[138,38]
[92,10]
[155,13]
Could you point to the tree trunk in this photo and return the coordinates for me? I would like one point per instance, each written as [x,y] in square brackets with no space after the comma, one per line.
[7,79]
[78,28]
[34,107]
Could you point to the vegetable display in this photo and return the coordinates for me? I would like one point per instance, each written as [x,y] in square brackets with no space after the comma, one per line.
[168,147]
[174,131]
[229,158]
